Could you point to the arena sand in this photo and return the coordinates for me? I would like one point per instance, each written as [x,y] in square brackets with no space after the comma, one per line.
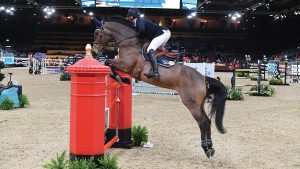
[262,132]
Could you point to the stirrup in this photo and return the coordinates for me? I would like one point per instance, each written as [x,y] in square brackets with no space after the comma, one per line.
[151,74]
[156,75]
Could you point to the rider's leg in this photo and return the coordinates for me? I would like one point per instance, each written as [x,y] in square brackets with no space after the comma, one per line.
[154,71]
[162,47]
[155,43]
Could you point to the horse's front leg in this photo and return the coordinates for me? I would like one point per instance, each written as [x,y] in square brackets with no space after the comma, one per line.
[117,65]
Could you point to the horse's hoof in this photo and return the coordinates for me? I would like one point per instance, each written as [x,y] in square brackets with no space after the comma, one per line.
[126,80]
[119,79]
[210,153]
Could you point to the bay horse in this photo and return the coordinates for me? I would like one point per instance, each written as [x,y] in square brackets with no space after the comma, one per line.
[192,87]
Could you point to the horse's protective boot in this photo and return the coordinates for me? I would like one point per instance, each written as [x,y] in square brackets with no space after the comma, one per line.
[153,73]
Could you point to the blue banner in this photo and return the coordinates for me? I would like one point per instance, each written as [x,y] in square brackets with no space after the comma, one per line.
[107,3]
[189,4]
[165,4]
[88,3]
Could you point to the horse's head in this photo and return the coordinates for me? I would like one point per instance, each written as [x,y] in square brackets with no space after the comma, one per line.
[116,28]
[101,37]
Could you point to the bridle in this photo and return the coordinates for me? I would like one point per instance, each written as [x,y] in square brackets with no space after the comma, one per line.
[119,42]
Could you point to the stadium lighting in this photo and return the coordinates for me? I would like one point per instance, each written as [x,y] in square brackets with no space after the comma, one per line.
[235,16]
[8,10]
[276,17]
[49,11]
[2,8]
[142,15]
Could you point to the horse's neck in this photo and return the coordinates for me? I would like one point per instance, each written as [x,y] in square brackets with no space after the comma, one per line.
[131,55]
[121,33]
[132,49]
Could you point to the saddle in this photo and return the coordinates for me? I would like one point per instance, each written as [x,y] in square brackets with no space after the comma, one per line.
[160,52]
[164,58]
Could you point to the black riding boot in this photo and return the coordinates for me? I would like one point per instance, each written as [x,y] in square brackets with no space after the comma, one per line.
[153,73]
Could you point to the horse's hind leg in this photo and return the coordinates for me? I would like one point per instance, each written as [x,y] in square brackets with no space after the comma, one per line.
[195,104]
[209,143]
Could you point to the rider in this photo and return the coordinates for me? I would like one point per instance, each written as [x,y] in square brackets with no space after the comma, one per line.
[157,35]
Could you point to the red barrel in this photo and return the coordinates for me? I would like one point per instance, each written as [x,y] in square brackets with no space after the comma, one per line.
[87,112]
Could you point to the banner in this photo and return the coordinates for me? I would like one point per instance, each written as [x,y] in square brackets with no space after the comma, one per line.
[164,4]
[189,4]
[206,69]
[8,58]
[88,3]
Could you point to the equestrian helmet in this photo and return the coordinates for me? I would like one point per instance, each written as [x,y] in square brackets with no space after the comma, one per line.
[134,12]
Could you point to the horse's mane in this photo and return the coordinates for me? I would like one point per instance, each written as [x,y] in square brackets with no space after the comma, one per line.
[121,20]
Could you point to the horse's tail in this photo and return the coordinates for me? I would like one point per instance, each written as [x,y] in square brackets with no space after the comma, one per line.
[219,91]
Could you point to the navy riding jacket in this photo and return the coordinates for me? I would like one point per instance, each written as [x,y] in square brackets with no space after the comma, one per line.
[147,29]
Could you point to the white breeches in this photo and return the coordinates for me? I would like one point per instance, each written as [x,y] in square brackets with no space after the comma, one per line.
[160,41]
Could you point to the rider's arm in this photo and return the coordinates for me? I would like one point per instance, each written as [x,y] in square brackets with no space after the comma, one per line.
[140,25]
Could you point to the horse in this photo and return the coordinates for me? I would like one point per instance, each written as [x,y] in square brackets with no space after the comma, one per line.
[192,87]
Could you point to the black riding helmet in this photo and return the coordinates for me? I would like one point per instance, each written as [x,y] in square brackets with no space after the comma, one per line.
[134,12]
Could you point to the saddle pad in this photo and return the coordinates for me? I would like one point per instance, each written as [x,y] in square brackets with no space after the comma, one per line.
[165,61]
[159,52]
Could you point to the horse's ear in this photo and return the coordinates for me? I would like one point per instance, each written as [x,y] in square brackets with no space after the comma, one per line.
[99,23]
